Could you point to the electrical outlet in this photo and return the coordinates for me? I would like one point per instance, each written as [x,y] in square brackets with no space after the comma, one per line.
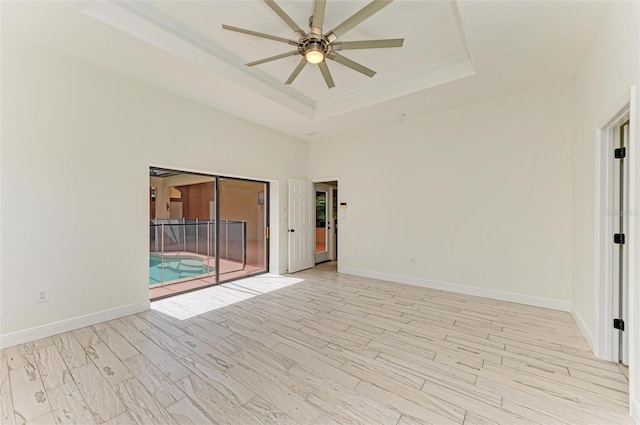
[43,295]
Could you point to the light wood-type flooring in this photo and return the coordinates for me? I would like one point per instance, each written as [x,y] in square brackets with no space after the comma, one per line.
[316,347]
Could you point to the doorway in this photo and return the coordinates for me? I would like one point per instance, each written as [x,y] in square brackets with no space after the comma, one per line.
[326,220]
[614,195]
[312,223]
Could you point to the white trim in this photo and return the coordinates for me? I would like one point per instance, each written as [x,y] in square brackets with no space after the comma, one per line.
[67,325]
[333,240]
[325,180]
[531,300]
[603,341]
[586,332]
[634,272]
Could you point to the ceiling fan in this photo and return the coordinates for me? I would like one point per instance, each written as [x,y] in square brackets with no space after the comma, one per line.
[315,46]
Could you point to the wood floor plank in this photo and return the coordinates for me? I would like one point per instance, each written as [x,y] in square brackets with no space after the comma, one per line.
[163,360]
[41,343]
[19,356]
[217,406]
[565,410]
[352,343]
[7,415]
[166,342]
[275,360]
[267,414]
[46,419]
[372,371]
[158,385]
[116,343]
[137,322]
[164,323]
[30,400]
[296,334]
[474,419]
[86,336]
[276,394]
[109,365]
[527,412]
[329,395]
[221,380]
[71,351]
[205,350]
[313,363]
[53,370]
[100,398]
[564,384]
[68,405]
[185,412]
[141,404]
[212,336]
[409,407]
[5,386]
[124,419]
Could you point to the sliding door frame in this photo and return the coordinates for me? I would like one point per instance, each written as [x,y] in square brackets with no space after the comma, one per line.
[217,228]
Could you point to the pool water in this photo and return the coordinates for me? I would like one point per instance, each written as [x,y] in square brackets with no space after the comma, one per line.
[175,267]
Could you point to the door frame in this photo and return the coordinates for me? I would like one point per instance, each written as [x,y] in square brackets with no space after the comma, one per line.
[605,338]
[334,239]
[328,254]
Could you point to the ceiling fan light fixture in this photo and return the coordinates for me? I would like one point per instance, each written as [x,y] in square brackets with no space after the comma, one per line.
[317,46]
[314,55]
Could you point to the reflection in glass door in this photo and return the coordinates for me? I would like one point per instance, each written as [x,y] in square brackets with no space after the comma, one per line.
[243,228]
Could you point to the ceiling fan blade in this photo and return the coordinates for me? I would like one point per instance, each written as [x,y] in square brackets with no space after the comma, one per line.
[351,64]
[286,18]
[318,16]
[356,18]
[272,58]
[368,44]
[259,34]
[296,71]
[326,74]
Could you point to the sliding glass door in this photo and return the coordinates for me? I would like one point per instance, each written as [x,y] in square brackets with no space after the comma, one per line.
[243,227]
[204,230]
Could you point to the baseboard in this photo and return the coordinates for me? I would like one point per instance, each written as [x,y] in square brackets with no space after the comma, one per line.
[635,411]
[586,332]
[20,337]
[462,289]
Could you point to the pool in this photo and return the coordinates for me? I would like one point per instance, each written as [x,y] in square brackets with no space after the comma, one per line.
[176,267]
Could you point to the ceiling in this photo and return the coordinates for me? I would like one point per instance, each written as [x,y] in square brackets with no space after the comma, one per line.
[455,52]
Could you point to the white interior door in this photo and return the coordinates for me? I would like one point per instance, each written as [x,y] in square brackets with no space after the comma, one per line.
[301,225]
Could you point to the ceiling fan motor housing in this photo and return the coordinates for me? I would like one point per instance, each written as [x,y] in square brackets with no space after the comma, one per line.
[314,42]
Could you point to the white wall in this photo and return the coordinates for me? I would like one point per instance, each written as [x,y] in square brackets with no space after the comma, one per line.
[479,195]
[77,142]
[609,69]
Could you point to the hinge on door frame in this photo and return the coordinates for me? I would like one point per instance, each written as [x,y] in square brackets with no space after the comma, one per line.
[619,153]
[618,324]
[618,238]
[266,232]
